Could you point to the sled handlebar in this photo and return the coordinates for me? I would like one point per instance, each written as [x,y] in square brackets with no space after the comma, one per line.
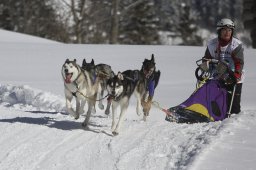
[214,61]
[211,60]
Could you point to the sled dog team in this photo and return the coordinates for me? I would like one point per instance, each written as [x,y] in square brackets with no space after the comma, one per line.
[88,82]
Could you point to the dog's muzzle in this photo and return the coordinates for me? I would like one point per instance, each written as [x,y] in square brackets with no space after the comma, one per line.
[68,76]
[113,95]
[147,73]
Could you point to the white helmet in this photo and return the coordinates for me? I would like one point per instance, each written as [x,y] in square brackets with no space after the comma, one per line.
[225,22]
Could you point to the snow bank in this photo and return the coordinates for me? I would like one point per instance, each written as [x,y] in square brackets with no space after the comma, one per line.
[25,97]
[15,37]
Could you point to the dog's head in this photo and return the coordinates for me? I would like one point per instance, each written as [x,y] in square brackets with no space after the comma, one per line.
[148,66]
[115,85]
[70,71]
[88,66]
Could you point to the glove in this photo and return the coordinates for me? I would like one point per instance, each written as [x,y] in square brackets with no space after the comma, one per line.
[237,76]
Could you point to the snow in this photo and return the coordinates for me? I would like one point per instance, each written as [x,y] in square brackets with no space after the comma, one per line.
[37,133]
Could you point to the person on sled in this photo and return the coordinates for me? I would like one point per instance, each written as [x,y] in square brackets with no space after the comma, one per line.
[228,49]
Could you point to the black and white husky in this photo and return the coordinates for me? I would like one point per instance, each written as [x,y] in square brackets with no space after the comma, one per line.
[141,83]
[120,89]
[104,73]
[79,84]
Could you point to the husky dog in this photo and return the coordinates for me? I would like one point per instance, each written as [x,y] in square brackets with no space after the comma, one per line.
[148,81]
[79,84]
[104,73]
[120,89]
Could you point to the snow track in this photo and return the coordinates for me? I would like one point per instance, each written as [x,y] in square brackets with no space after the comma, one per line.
[35,139]
[36,143]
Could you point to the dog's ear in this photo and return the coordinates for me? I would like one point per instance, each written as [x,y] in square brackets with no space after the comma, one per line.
[153,58]
[74,60]
[120,76]
[84,62]
[92,62]
[67,61]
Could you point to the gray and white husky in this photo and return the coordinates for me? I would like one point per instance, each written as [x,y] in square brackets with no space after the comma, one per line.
[104,73]
[79,84]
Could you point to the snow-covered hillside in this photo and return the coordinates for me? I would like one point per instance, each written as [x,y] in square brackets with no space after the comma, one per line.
[37,133]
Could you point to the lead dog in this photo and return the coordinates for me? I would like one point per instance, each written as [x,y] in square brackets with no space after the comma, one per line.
[79,84]
[104,73]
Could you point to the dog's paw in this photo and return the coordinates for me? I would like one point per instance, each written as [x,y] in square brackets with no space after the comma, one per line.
[138,110]
[107,112]
[145,118]
[115,133]
[93,110]
[101,106]
[76,115]
[85,125]
[146,108]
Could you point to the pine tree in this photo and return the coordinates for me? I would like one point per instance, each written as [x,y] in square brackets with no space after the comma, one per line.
[36,17]
[140,24]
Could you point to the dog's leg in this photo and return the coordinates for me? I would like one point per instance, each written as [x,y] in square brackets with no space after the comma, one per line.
[88,114]
[94,98]
[147,107]
[138,107]
[100,105]
[81,110]
[94,103]
[114,108]
[78,104]
[93,109]
[107,111]
[69,105]
[124,106]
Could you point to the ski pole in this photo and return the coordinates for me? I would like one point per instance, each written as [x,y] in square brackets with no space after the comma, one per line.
[231,102]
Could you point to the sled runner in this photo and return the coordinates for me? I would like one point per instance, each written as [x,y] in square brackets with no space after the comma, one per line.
[209,101]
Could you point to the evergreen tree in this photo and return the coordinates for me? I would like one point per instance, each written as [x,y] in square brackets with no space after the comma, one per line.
[5,19]
[140,24]
[36,17]
[187,26]
[249,15]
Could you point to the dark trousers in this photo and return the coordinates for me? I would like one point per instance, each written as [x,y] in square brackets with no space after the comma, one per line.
[236,107]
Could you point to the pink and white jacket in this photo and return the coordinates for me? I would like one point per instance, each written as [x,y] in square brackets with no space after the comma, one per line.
[231,52]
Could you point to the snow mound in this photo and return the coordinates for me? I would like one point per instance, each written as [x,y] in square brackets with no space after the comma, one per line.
[10,36]
[26,98]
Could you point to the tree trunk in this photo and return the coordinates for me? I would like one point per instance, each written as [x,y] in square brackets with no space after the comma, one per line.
[114,22]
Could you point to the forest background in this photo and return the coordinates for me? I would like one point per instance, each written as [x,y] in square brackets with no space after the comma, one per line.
[140,22]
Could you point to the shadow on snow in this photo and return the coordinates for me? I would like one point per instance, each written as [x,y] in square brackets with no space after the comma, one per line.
[53,123]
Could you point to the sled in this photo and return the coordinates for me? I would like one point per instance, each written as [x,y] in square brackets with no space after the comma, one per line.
[208,102]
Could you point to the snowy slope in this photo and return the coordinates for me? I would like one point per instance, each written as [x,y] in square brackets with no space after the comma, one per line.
[15,37]
[37,133]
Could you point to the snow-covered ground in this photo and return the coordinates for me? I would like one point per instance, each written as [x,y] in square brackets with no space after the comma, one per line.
[37,133]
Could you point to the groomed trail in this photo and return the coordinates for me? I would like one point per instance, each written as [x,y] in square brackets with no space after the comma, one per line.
[34,138]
